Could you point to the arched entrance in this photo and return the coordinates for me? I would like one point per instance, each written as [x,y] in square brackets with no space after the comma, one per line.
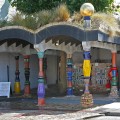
[16,46]
[70,38]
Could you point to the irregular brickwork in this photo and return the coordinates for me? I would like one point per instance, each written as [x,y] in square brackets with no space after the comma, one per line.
[87,100]
[114,92]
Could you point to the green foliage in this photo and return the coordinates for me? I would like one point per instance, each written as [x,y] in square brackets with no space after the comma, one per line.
[17,19]
[32,6]
[113,8]
[61,13]
[99,5]
[44,17]
[3,23]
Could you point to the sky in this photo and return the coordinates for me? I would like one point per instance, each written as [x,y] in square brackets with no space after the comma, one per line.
[11,11]
[117,1]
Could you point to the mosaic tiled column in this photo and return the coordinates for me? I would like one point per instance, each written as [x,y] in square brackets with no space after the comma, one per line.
[86,70]
[17,79]
[114,82]
[86,10]
[41,85]
[27,74]
[86,98]
[69,75]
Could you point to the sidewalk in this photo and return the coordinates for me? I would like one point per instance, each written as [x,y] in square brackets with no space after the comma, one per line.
[109,111]
[56,108]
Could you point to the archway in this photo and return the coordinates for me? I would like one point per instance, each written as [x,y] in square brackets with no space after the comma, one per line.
[14,51]
[69,37]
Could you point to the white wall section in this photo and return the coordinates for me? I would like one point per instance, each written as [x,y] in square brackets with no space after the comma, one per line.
[9,59]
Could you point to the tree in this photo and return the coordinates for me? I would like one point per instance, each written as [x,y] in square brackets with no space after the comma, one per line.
[99,5]
[32,6]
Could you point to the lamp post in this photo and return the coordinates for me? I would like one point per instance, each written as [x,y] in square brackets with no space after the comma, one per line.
[86,11]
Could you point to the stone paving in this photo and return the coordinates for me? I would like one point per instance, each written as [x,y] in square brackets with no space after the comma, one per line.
[44,115]
[56,108]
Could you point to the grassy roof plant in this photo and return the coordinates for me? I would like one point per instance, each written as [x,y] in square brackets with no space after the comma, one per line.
[106,21]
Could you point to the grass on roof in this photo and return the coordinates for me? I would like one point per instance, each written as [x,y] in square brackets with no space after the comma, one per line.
[61,13]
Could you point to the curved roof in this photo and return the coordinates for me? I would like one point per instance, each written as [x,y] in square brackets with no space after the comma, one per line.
[65,30]
[52,30]
[15,32]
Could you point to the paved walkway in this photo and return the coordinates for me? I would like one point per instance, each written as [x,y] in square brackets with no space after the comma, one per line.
[109,111]
[59,108]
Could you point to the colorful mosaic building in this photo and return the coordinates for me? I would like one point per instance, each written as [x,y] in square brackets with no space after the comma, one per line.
[59,53]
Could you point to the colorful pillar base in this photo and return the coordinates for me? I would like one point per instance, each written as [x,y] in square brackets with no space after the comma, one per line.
[17,87]
[17,79]
[69,76]
[27,90]
[114,92]
[87,100]
[114,82]
[41,101]
[27,74]
[41,92]
[41,85]
[69,91]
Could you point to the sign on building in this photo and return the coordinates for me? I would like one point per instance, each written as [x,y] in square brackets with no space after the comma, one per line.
[5,89]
